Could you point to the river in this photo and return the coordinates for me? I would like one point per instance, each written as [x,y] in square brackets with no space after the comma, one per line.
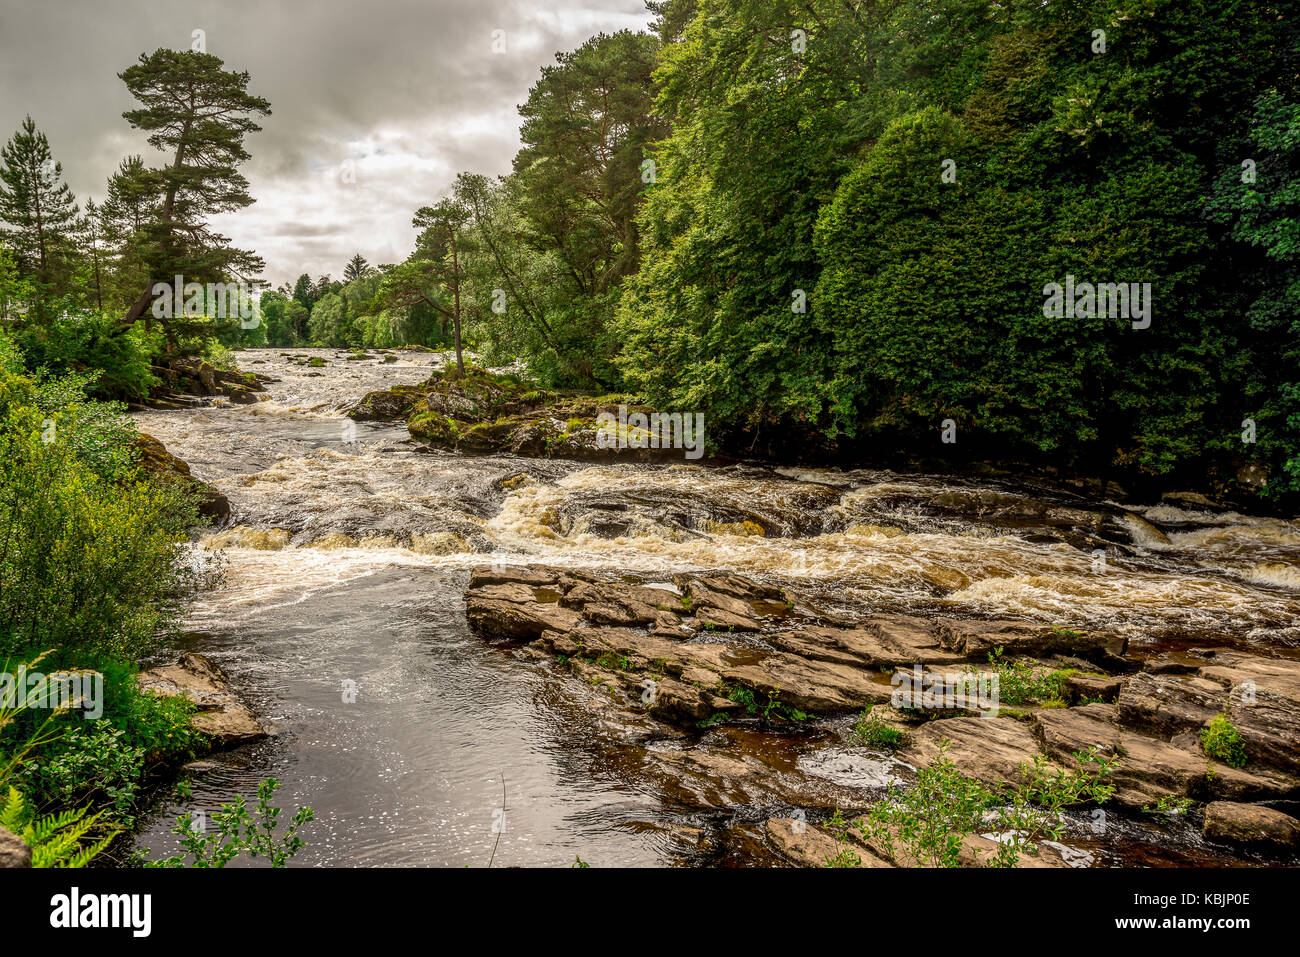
[351,546]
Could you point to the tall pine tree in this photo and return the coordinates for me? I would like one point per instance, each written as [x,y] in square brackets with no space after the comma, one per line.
[199,113]
[38,207]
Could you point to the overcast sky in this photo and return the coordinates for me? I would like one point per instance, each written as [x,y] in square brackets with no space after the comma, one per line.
[399,95]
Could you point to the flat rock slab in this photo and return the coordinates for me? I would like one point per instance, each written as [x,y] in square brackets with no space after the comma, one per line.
[1151,768]
[221,714]
[1250,824]
[1260,697]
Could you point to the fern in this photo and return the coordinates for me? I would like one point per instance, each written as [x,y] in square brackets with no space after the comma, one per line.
[56,839]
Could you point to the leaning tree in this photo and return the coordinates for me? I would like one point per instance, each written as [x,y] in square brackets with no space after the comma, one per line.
[198,113]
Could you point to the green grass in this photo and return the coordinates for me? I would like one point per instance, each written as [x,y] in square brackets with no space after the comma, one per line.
[871,731]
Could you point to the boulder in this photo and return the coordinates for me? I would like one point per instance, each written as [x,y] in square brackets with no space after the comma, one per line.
[14,851]
[153,457]
[384,405]
[1250,824]
[221,714]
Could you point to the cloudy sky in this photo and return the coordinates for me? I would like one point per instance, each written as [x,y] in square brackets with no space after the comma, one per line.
[395,95]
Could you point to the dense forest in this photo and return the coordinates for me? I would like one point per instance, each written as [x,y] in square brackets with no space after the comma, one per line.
[828,226]
[831,225]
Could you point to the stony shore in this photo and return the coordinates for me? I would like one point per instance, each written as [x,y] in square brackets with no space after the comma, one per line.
[701,663]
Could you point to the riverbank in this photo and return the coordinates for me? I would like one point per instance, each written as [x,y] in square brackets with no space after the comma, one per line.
[500,412]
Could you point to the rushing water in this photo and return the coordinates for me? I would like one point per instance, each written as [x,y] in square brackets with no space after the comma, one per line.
[347,562]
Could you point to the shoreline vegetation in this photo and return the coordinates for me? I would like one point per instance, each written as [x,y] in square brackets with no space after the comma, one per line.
[831,239]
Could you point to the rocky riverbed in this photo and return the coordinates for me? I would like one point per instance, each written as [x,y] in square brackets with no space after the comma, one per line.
[665,663]
[683,664]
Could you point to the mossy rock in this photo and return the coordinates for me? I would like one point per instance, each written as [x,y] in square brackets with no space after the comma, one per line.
[315,362]
[488,436]
[434,428]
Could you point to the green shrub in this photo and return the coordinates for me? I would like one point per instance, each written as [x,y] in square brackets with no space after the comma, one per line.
[235,831]
[119,362]
[932,818]
[92,762]
[1221,741]
[871,731]
[87,551]
[1022,682]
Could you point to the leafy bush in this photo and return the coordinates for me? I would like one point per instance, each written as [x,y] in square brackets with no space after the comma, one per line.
[872,731]
[237,832]
[932,818]
[1221,741]
[87,547]
[91,762]
[1022,682]
[118,362]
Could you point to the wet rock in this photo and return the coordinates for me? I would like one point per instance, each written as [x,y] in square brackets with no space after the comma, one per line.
[652,659]
[221,714]
[1189,500]
[1150,768]
[482,575]
[1250,824]
[1260,696]
[1254,476]
[153,457]
[979,639]
[385,405]
[716,618]
[991,750]
[1263,698]
[810,686]
[1165,705]
[807,846]
[514,611]
[14,851]
[621,604]
[185,376]
[1084,688]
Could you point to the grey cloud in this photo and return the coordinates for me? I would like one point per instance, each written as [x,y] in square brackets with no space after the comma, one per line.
[408,92]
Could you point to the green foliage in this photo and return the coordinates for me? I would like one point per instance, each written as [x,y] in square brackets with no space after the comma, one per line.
[36,208]
[1222,741]
[931,819]
[117,364]
[820,169]
[1170,805]
[92,764]
[1262,212]
[87,547]
[1022,681]
[63,839]
[235,831]
[872,731]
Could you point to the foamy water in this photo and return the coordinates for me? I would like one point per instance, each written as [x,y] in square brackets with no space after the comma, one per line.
[350,546]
